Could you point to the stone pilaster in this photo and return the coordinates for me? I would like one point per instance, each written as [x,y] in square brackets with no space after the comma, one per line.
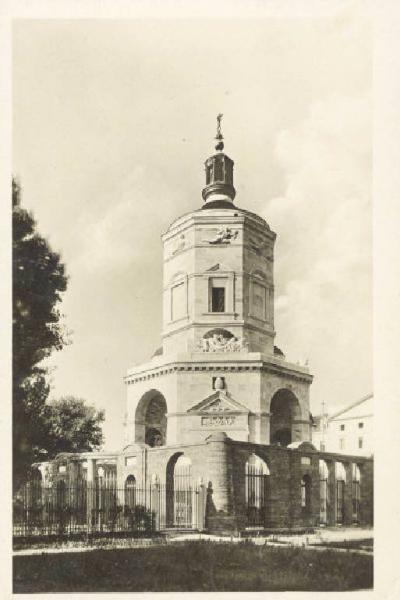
[367,493]
[259,427]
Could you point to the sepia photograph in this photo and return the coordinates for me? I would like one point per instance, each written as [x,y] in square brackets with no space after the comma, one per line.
[192,304]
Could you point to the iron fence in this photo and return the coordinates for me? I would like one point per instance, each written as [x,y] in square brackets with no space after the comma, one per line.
[90,508]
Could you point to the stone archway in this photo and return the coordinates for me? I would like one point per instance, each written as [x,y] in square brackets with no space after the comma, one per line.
[179,489]
[257,491]
[285,415]
[151,419]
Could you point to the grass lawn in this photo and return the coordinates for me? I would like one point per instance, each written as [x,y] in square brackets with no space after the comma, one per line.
[193,566]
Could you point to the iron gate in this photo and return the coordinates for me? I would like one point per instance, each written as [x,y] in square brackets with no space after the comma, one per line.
[257,491]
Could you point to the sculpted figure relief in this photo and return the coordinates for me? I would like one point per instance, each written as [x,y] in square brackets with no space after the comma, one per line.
[218,343]
[224,236]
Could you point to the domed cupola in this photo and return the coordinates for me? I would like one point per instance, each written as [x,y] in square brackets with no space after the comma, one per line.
[219,191]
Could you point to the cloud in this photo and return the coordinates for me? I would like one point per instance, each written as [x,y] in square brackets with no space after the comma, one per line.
[323,251]
[121,234]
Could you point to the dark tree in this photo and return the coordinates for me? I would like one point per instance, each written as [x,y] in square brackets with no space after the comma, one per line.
[38,282]
[72,426]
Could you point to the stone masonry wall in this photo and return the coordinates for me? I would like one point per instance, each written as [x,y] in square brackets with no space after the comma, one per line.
[219,464]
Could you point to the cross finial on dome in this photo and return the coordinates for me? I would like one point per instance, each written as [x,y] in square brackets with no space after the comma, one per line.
[220,144]
[219,190]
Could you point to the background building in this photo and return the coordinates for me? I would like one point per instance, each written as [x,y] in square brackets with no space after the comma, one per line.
[350,430]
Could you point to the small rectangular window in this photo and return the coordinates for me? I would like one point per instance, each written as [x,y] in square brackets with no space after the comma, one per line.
[360,425]
[322,447]
[360,442]
[342,428]
[218,299]
[341,443]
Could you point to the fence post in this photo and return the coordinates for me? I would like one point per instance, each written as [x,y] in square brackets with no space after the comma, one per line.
[195,507]
[91,467]
[201,506]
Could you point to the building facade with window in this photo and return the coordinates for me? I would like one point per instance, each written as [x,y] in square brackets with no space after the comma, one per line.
[218,427]
[349,430]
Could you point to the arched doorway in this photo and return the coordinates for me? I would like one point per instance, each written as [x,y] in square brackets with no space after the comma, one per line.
[340,475]
[179,491]
[285,410]
[323,492]
[151,419]
[257,491]
[356,494]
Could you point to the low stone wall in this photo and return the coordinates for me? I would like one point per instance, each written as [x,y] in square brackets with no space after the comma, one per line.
[219,465]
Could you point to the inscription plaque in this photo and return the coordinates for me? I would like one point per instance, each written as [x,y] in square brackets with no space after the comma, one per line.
[217,420]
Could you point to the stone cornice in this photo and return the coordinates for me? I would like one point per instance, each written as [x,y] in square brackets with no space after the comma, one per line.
[243,245]
[343,458]
[224,362]
[218,216]
[217,323]
[268,281]
[195,413]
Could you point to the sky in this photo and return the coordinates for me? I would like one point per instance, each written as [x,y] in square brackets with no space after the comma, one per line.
[112,123]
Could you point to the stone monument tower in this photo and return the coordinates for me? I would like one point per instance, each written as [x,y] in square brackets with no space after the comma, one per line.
[218,368]
[218,422]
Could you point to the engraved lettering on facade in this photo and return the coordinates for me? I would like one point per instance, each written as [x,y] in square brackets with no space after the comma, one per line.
[217,421]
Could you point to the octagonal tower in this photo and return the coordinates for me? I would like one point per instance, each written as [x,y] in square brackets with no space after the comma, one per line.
[218,368]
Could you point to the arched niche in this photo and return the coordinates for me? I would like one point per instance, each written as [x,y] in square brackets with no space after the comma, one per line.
[218,331]
[285,411]
[151,419]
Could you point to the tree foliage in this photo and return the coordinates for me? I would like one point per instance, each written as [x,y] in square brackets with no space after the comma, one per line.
[72,426]
[41,429]
[39,280]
